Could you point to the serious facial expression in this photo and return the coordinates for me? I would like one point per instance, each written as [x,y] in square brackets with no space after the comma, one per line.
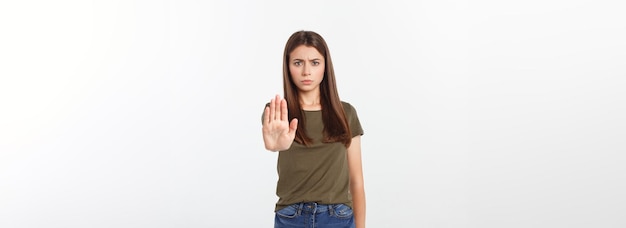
[306,66]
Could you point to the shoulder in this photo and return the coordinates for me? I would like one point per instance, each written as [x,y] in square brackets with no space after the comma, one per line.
[346,104]
[348,108]
[352,118]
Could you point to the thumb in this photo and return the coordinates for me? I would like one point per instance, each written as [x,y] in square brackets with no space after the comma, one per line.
[293,126]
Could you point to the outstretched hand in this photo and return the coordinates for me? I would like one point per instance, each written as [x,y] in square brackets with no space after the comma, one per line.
[278,132]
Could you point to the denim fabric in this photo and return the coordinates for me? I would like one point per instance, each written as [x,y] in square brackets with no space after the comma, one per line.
[313,215]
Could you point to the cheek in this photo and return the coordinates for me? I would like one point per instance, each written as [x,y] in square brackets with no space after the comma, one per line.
[293,71]
[320,71]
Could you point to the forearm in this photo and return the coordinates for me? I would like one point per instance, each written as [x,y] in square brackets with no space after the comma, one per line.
[358,205]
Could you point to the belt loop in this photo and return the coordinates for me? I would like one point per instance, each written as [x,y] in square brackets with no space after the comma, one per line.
[300,206]
[331,210]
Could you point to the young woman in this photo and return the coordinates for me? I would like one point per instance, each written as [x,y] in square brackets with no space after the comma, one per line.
[318,137]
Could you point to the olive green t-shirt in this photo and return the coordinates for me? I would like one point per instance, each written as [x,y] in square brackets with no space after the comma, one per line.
[317,173]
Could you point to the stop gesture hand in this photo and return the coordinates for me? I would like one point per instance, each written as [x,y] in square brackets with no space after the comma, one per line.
[278,132]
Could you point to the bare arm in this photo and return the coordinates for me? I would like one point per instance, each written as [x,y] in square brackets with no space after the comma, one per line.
[278,133]
[356,181]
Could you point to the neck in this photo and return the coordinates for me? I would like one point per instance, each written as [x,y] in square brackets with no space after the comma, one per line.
[310,100]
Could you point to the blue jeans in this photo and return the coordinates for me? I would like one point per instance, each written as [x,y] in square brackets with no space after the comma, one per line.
[313,215]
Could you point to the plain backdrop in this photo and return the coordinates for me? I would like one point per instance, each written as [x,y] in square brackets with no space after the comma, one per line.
[476,113]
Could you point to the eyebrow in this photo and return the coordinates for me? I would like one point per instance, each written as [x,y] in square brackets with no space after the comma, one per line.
[318,59]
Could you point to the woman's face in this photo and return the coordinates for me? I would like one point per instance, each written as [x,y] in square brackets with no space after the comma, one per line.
[306,66]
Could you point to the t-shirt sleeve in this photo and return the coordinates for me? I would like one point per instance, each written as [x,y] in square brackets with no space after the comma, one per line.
[353,120]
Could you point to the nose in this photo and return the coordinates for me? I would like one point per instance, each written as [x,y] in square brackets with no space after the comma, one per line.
[306,70]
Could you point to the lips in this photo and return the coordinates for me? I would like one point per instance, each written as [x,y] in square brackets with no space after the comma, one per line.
[307,82]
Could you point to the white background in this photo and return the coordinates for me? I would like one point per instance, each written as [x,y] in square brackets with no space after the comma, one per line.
[476,113]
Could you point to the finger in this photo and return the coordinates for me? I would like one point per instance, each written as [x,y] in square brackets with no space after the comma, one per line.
[266,116]
[277,107]
[293,126]
[272,107]
[284,113]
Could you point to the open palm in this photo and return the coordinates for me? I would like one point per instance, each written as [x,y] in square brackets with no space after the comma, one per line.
[278,132]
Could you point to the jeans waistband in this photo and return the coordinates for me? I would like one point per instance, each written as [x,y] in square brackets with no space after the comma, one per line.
[313,207]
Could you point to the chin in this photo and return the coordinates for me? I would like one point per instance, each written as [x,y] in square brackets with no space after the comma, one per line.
[306,90]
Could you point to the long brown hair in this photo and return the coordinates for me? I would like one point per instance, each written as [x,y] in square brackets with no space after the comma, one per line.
[336,127]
